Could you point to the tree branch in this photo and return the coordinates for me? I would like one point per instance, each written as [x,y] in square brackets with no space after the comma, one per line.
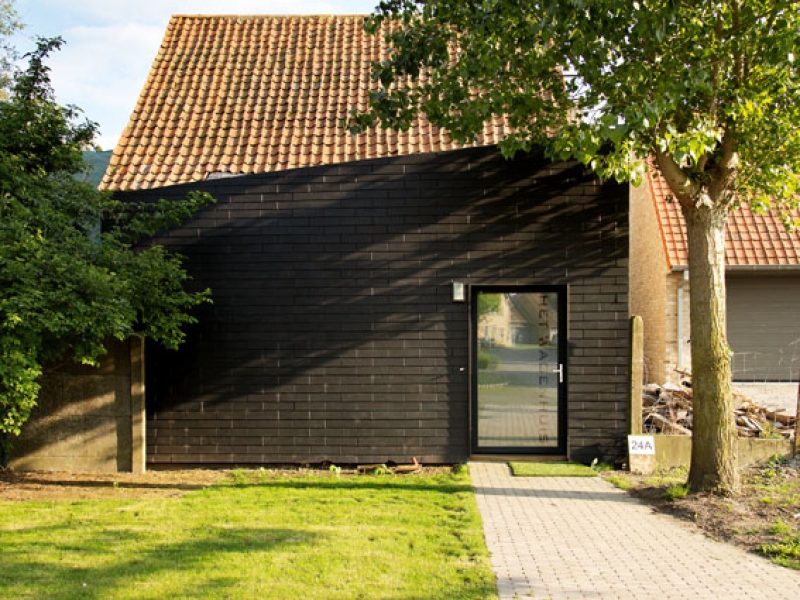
[680,183]
[722,186]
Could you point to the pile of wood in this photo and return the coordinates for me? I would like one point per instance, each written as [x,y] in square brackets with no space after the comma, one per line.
[390,468]
[668,409]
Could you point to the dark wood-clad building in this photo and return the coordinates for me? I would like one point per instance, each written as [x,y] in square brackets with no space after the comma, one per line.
[375,297]
[334,334]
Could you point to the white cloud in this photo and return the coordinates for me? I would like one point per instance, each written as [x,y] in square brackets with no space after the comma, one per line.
[102,70]
[104,56]
[110,45]
[157,11]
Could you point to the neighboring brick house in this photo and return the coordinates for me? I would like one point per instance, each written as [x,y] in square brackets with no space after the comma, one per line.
[347,271]
[763,288]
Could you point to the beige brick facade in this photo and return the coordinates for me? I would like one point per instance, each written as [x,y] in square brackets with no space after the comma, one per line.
[655,292]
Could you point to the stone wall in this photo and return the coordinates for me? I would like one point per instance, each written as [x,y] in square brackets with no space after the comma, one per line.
[88,419]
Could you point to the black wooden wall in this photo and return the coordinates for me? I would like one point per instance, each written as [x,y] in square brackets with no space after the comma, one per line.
[333,336]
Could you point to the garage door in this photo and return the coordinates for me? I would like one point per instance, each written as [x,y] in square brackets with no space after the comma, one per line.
[764,327]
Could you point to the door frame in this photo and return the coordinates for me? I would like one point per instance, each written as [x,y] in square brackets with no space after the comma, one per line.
[560,449]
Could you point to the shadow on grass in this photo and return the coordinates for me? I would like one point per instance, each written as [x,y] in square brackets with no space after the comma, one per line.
[95,484]
[352,484]
[23,576]
[204,567]
[222,556]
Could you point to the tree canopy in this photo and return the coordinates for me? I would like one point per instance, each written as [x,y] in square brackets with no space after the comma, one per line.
[707,92]
[619,81]
[71,274]
[9,23]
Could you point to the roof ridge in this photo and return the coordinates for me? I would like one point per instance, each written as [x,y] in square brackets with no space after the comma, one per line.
[265,15]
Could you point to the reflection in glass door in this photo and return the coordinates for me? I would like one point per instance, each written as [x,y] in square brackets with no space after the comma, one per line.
[520,370]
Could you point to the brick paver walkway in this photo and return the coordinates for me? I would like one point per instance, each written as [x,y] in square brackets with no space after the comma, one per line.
[579,537]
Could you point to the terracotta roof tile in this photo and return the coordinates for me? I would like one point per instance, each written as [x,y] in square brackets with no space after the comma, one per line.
[248,94]
[752,239]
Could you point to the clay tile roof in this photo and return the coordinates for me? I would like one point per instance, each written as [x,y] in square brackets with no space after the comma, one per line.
[753,240]
[249,94]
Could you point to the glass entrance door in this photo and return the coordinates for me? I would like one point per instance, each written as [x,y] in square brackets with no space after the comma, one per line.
[520,372]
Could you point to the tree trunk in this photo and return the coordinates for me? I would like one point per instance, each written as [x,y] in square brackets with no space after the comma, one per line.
[714,464]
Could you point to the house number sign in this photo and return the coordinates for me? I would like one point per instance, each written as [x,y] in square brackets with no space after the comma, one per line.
[641,444]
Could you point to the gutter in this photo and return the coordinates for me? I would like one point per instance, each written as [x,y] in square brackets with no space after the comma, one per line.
[748,268]
[762,268]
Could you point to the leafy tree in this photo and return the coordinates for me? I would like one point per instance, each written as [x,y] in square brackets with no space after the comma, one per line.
[9,23]
[707,91]
[68,285]
[489,303]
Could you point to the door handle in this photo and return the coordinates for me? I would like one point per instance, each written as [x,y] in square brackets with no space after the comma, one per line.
[560,371]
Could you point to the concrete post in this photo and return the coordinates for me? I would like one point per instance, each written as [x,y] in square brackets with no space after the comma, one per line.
[797,424]
[138,457]
[636,375]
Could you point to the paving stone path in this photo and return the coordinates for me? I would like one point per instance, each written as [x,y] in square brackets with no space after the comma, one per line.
[580,537]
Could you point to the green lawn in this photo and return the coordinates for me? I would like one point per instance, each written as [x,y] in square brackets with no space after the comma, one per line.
[550,469]
[259,536]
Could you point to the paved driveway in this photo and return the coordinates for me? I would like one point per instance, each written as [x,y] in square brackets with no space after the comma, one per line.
[580,537]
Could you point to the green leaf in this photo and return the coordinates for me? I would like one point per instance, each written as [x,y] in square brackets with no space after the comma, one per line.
[67,285]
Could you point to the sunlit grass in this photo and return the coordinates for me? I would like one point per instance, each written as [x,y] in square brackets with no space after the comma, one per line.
[786,551]
[551,469]
[258,536]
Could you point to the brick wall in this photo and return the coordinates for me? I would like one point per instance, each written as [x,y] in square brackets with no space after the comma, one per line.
[333,335]
[650,298]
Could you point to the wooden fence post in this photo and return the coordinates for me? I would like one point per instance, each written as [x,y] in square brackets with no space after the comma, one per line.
[138,418]
[797,424]
[636,375]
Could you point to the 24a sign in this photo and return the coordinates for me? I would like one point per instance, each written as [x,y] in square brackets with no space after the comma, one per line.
[641,444]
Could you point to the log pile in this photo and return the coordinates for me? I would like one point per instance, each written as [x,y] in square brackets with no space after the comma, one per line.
[668,409]
[390,468]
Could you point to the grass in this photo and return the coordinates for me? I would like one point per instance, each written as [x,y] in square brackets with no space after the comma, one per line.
[489,378]
[259,535]
[676,491]
[782,493]
[672,481]
[776,489]
[551,469]
[620,481]
[785,552]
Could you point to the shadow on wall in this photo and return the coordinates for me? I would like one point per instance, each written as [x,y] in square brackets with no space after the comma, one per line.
[87,419]
[333,335]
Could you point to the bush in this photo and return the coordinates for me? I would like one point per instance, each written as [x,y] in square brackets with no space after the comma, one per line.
[486,360]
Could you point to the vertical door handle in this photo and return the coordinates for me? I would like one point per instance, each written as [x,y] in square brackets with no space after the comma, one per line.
[560,371]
